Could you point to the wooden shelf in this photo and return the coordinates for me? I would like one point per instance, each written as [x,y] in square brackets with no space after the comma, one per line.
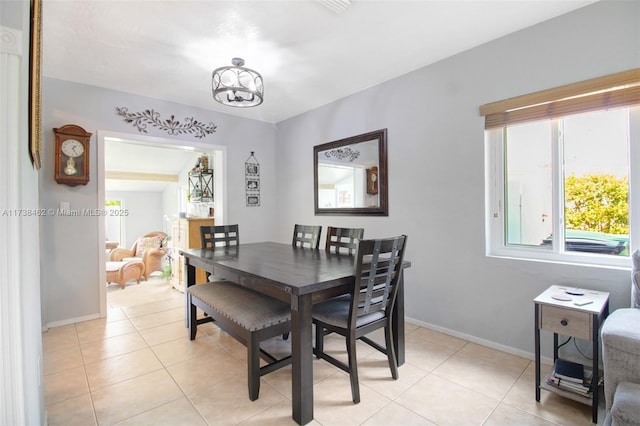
[186,234]
[587,400]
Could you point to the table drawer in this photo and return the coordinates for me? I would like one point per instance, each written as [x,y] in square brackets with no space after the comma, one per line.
[566,322]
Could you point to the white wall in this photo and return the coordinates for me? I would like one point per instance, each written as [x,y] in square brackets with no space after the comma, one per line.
[72,250]
[436,170]
[144,213]
[21,389]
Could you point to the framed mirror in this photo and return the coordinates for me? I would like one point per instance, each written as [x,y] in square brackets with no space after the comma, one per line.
[350,176]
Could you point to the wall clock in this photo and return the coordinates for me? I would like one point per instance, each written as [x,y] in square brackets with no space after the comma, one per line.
[71,155]
[372,180]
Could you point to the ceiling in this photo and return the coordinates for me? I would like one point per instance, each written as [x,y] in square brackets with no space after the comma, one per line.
[144,167]
[308,54]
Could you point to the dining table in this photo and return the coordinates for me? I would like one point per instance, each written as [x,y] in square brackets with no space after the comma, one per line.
[300,277]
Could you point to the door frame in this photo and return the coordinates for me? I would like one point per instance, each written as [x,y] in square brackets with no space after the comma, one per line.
[101,135]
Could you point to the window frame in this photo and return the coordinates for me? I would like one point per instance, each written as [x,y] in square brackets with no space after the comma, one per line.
[495,180]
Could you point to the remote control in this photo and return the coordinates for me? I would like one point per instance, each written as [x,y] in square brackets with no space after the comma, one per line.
[582,302]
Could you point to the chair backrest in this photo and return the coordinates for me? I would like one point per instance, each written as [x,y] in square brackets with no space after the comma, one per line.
[219,236]
[343,240]
[155,234]
[377,269]
[306,234]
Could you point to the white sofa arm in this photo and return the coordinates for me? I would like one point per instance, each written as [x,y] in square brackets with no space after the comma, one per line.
[620,335]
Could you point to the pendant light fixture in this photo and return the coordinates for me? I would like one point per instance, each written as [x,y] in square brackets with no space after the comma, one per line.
[237,86]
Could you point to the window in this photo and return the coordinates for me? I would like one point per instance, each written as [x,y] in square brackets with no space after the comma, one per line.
[560,185]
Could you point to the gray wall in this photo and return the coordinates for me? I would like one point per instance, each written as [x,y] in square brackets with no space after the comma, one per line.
[436,170]
[70,282]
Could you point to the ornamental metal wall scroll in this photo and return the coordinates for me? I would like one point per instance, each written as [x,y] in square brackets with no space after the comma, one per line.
[252,181]
[343,153]
[172,126]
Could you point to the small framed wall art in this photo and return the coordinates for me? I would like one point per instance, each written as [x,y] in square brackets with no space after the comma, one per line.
[252,181]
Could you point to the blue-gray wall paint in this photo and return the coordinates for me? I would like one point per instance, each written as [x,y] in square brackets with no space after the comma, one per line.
[436,174]
[70,282]
[436,169]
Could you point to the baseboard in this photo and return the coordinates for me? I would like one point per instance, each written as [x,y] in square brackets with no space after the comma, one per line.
[70,321]
[479,341]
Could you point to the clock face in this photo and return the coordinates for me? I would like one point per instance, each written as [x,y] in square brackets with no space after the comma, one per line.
[72,148]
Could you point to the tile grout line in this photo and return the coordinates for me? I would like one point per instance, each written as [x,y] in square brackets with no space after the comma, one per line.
[86,378]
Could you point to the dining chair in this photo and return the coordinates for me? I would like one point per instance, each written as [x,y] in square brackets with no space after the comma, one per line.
[377,269]
[219,236]
[341,240]
[306,235]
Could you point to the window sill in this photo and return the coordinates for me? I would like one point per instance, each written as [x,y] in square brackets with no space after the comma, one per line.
[622,263]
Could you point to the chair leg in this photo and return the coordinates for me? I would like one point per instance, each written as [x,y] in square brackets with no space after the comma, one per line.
[253,365]
[353,369]
[193,326]
[391,352]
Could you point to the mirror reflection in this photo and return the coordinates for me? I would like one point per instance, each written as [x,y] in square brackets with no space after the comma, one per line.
[350,175]
[342,176]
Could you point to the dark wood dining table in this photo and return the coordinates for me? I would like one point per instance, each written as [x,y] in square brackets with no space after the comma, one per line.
[299,277]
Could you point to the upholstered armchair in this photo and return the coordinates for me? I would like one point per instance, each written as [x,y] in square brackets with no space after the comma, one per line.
[148,248]
[621,358]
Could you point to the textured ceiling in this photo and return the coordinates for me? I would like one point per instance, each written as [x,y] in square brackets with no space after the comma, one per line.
[308,54]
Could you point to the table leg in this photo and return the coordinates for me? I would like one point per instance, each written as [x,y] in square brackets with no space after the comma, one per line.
[189,280]
[536,335]
[302,359]
[397,321]
[596,373]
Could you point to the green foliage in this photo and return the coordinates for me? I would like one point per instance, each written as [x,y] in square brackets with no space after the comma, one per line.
[166,271]
[597,203]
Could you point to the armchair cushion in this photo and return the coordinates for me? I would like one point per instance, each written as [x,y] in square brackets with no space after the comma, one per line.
[621,331]
[620,351]
[144,243]
[625,405]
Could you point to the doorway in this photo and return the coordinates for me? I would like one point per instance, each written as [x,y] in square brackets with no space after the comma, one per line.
[149,177]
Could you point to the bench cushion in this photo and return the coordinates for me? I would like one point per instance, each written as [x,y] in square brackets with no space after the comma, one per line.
[247,308]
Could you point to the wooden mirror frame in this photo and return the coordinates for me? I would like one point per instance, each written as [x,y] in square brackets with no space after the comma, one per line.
[383,208]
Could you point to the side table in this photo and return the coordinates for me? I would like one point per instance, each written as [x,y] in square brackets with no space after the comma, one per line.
[570,318]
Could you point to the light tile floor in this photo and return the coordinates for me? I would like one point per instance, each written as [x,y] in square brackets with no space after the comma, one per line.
[138,367]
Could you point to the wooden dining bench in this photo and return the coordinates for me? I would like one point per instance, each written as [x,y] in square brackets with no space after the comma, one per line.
[250,317]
